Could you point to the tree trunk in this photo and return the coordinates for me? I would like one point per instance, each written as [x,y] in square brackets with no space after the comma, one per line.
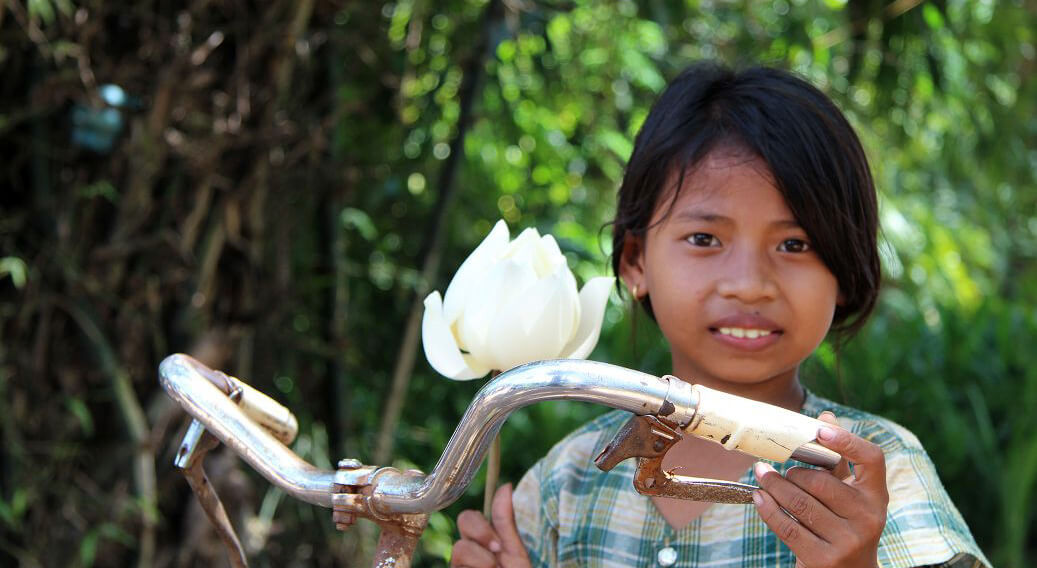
[470,88]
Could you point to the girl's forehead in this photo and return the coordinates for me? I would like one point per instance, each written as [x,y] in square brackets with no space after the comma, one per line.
[719,177]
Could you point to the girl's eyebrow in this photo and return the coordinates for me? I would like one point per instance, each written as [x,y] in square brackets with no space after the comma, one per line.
[699,215]
[710,217]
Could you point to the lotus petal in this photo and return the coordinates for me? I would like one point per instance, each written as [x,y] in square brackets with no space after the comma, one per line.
[440,347]
[523,248]
[549,257]
[574,296]
[504,281]
[473,269]
[593,299]
[535,325]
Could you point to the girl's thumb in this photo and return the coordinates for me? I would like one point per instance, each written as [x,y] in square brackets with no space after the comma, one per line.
[503,513]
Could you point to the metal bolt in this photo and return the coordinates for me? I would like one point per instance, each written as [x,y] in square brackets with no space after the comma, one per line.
[349,463]
[658,445]
[343,520]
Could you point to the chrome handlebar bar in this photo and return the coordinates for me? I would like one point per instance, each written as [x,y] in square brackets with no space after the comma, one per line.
[257,428]
[579,380]
[187,382]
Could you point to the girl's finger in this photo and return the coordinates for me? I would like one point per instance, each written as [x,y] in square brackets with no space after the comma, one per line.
[803,543]
[869,463]
[842,471]
[835,495]
[470,554]
[504,522]
[801,505]
[473,526]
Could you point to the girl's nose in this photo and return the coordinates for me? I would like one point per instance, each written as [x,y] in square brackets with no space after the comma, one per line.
[747,276]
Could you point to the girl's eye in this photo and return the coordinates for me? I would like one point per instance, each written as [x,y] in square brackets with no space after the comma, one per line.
[704,240]
[794,245]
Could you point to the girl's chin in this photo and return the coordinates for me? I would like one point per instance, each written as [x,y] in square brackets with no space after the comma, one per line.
[739,375]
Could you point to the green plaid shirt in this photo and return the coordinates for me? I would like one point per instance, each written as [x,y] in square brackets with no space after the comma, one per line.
[571,514]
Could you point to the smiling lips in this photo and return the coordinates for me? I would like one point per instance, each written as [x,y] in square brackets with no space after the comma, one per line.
[744,331]
[740,332]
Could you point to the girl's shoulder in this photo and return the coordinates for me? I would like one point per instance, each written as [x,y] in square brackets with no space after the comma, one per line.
[885,433]
[923,526]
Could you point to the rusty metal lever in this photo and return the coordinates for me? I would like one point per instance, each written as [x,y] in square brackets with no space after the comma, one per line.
[648,438]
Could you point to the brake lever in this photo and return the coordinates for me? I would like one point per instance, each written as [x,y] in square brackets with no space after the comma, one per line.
[189,460]
[648,438]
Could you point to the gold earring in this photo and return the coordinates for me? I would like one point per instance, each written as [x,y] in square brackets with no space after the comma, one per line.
[634,291]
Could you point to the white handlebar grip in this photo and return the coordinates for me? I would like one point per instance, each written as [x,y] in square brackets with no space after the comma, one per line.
[749,426]
[267,412]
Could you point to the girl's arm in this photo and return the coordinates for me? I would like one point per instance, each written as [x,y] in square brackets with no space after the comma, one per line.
[829,519]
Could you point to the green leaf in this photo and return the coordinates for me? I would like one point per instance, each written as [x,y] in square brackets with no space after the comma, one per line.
[11,513]
[15,268]
[558,32]
[88,548]
[78,409]
[356,219]
[506,51]
[101,188]
[42,10]
[932,16]
[617,143]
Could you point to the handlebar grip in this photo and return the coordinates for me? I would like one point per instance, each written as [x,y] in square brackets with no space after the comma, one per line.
[260,408]
[757,428]
[268,413]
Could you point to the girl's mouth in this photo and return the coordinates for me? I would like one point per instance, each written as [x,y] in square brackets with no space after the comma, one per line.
[746,338]
[741,332]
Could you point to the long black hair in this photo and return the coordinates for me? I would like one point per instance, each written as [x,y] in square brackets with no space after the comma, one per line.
[815,157]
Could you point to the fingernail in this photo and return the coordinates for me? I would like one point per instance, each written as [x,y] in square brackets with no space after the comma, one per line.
[757,498]
[762,469]
[826,433]
[494,546]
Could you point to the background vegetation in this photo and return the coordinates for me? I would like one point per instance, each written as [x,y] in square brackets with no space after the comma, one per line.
[283,180]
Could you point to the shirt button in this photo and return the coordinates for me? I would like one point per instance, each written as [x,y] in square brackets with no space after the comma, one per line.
[667,556]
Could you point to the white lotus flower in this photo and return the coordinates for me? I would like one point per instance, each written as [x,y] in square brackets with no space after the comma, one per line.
[511,303]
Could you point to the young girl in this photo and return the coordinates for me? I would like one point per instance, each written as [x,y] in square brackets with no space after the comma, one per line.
[747,230]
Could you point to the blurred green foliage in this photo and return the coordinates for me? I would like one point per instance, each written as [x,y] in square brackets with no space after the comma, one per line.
[275,188]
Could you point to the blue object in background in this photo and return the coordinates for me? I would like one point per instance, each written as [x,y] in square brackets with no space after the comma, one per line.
[97,129]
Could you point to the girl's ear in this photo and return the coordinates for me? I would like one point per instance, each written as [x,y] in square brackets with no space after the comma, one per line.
[632,264]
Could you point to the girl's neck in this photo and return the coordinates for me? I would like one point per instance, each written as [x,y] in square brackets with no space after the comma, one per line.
[784,391]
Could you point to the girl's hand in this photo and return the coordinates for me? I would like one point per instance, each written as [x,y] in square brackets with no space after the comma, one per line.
[483,545]
[829,519]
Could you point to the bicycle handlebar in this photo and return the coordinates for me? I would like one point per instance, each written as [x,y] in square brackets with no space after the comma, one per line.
[262,409]
[244,427]
[587,381]
[775,431]
[564,379]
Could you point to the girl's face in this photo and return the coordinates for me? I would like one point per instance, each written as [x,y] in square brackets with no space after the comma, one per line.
[734,282]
